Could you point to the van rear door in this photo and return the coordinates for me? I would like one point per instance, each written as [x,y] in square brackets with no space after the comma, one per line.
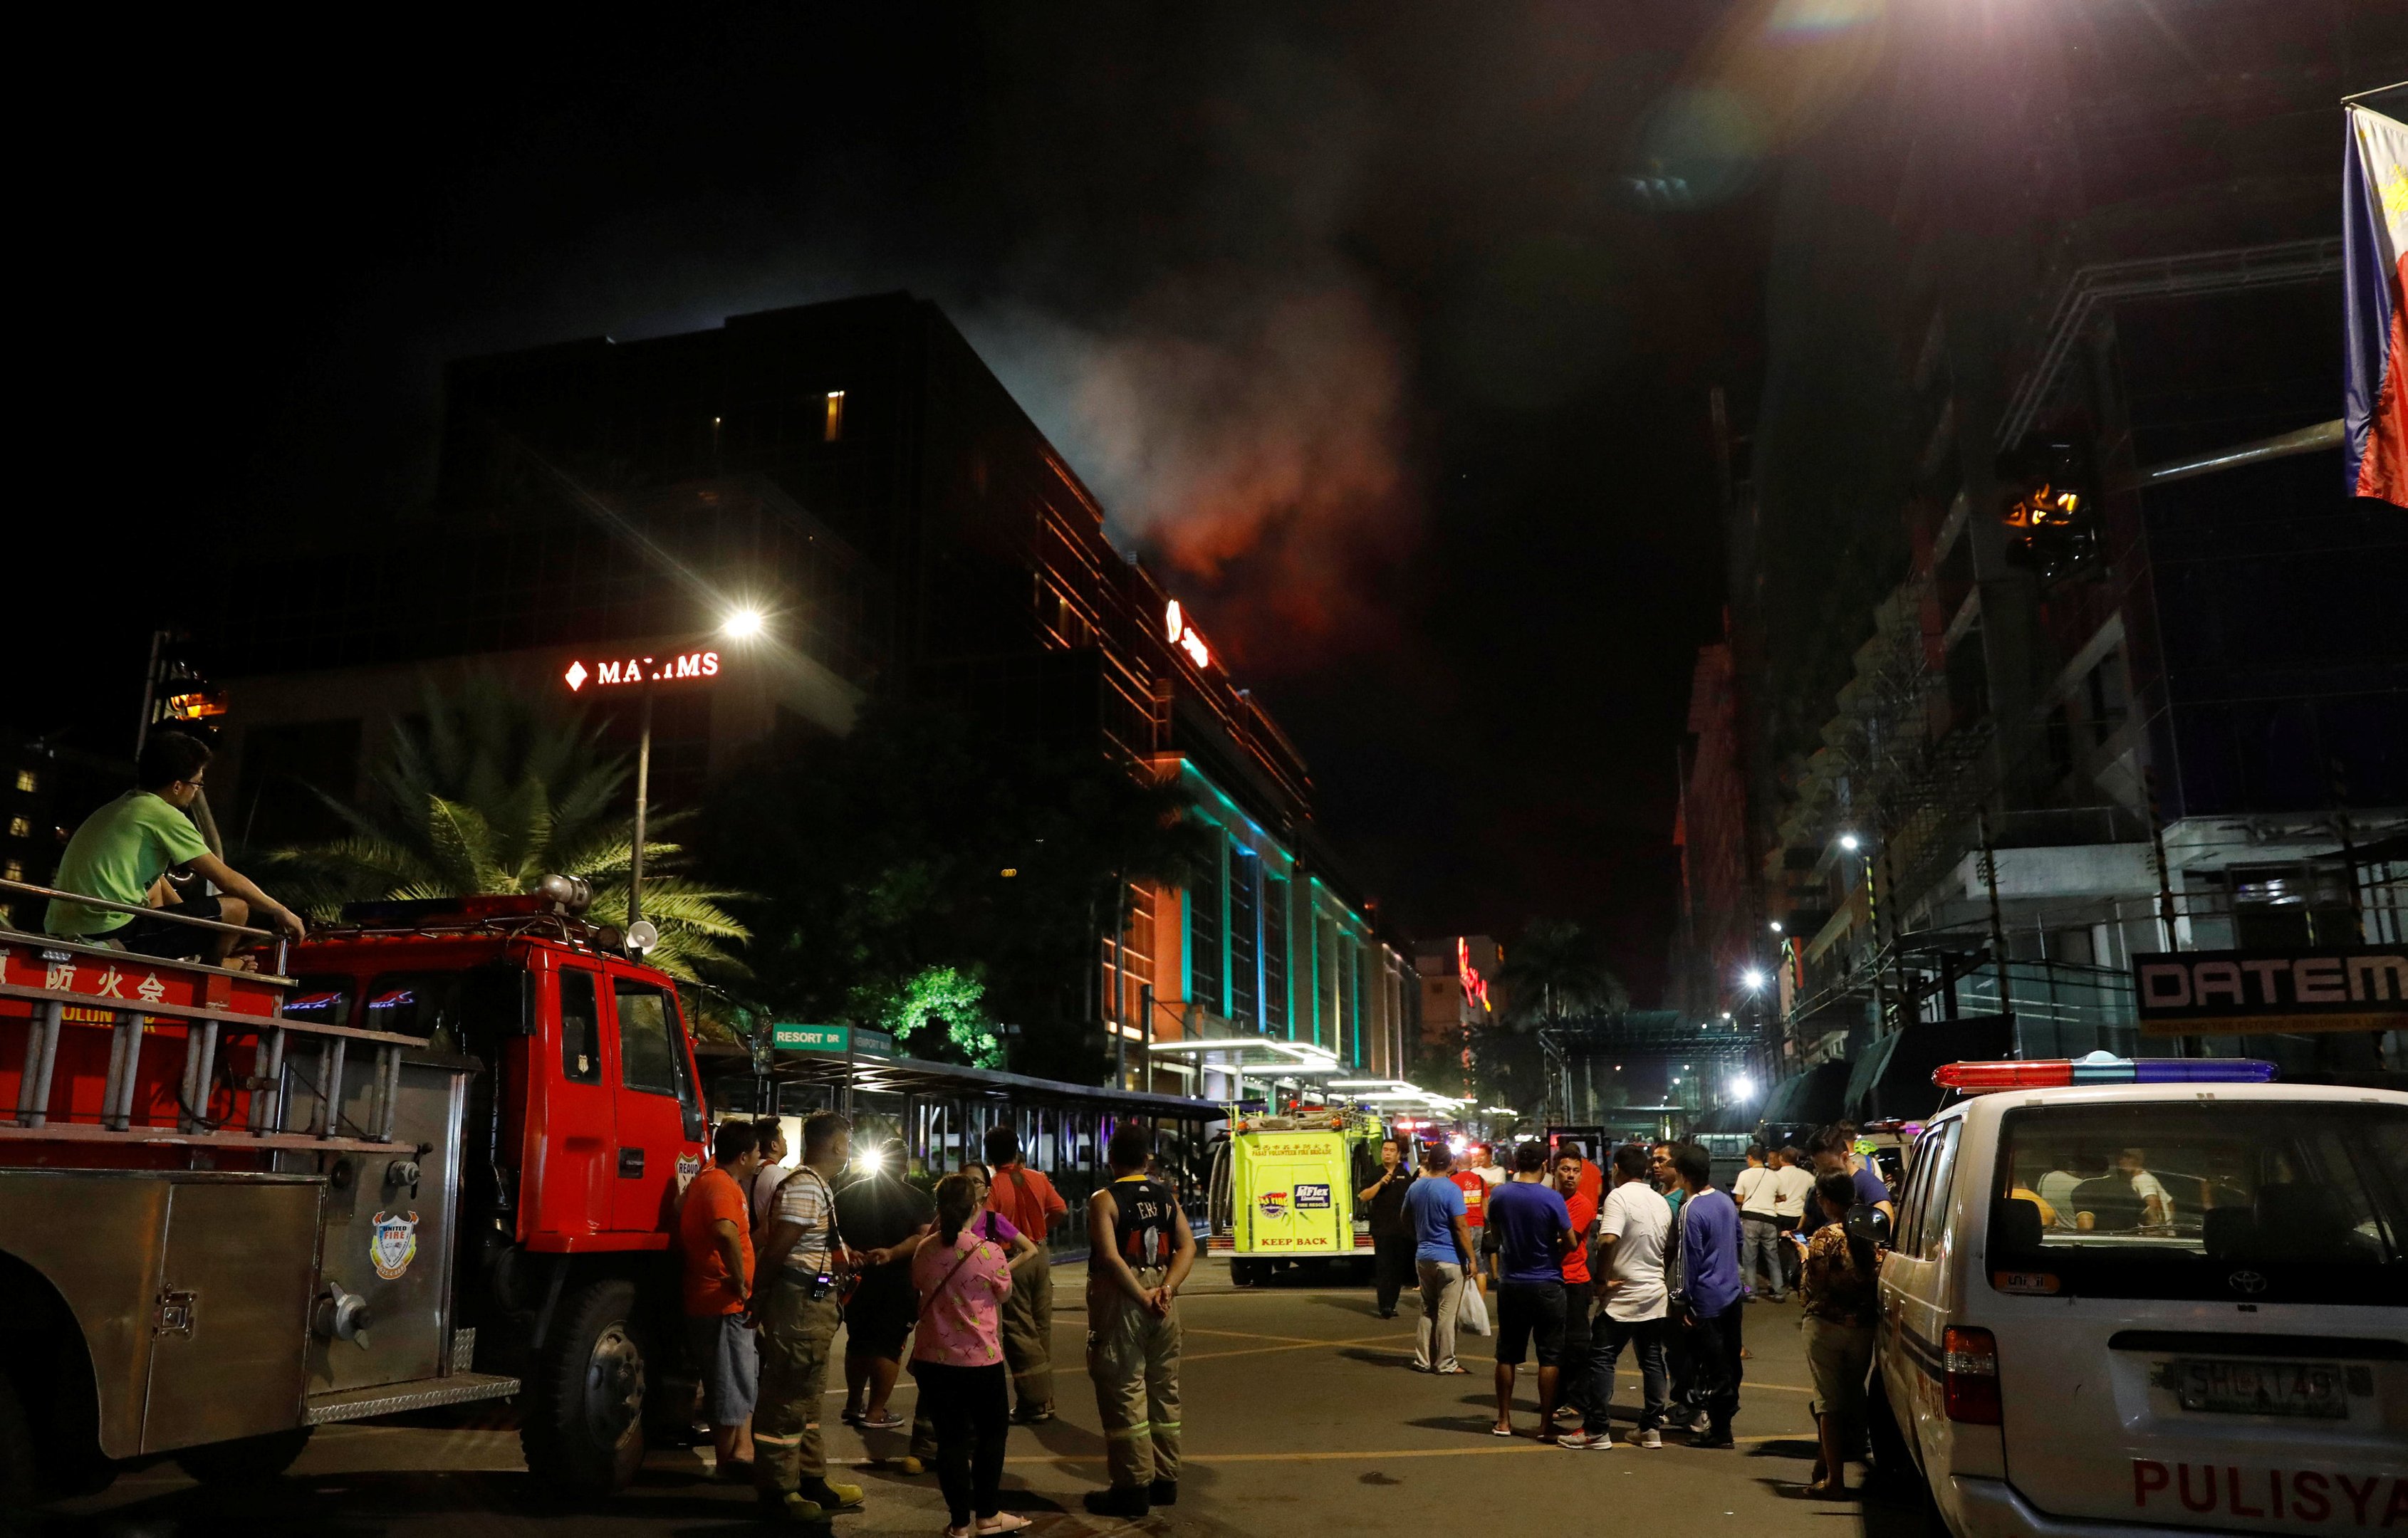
[2200,1323]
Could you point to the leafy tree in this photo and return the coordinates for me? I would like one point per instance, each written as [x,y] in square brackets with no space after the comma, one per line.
[929,851]
[939,1013]
[1555,970]
[489,793]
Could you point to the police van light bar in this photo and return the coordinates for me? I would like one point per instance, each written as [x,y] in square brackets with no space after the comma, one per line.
[1973,1079]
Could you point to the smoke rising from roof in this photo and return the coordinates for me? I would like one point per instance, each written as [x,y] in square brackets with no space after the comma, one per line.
[1250,439]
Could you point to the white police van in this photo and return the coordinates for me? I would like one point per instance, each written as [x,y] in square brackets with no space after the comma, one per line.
[2153,1294]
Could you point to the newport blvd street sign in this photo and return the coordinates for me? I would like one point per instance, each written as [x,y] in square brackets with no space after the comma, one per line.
[2316,988]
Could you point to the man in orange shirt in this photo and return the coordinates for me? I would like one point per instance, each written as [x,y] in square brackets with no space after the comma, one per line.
[1571,1172]
[715,1237]
[1474,1187]
[1029,1201]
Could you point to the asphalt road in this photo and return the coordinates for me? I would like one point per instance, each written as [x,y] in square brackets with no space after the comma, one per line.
[1300,1412]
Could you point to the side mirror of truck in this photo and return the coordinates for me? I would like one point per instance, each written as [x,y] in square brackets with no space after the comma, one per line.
[1869,1223]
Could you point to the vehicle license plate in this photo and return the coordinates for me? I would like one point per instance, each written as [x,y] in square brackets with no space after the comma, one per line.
[2313,1391]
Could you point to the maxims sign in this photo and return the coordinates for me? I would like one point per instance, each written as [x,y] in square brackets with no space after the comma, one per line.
[614,672]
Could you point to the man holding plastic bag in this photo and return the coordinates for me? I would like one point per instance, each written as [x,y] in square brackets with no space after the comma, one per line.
[1441,1255]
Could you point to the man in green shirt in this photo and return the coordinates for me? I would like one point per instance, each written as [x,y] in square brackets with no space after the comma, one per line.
[123,849]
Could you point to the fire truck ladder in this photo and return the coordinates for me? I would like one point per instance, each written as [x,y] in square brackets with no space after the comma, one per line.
[208,1031]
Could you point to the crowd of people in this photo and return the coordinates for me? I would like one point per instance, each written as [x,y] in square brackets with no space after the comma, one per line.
[776,1258]
[1644,1254]
[1583,1261]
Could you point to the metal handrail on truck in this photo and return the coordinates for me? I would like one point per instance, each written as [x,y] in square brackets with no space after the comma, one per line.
[204,1025]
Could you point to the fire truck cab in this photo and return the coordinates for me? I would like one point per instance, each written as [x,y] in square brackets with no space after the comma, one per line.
[434,1156]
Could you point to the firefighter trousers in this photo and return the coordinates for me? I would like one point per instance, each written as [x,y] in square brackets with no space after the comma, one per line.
[1133,1358]
[797,1336]
[1028,1334]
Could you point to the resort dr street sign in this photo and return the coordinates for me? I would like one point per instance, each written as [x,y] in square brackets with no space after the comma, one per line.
[789,1037]
[697,665]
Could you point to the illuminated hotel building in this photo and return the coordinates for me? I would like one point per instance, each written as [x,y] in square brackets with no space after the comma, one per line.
[854,466]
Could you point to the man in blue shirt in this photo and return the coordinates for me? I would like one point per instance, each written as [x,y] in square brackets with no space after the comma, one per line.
[1434,1215]
[1534,1230]
[1835,1153]
[1708,1294]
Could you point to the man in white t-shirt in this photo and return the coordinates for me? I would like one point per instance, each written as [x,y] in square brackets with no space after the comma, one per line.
[2157,1203]
[1633,1225]
[1793,1186]
[769,1136]
[1758,1191]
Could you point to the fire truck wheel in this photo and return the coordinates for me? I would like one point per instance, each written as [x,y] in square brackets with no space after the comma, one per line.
[249,1461]
[584,1422]
[17,1491]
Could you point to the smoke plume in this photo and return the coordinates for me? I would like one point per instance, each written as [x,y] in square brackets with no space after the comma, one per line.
[1248,438]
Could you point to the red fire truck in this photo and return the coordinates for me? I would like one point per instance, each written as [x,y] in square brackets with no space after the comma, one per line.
[433,1155]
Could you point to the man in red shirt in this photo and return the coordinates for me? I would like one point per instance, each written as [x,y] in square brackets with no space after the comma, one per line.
[1475,1217]
[715,1239]
[1571,1172]
[1029,1201]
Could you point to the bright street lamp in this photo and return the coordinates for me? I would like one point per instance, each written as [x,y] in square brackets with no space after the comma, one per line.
[1751,979]
[742,626]
[1848,842]
[1776,926]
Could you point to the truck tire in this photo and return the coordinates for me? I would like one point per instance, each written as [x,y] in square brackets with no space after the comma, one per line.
[249,1460]
[1244,1271]
[583,1426]
[18,1483]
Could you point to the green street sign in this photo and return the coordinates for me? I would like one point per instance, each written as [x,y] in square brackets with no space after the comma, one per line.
[791,1037]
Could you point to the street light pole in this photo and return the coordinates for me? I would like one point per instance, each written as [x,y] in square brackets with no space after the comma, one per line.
[643,793]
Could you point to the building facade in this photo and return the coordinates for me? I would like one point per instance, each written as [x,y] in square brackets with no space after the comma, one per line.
[856,470]
[2055,636]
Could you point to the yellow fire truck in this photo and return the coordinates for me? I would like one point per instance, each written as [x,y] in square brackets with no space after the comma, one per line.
[1282,1192]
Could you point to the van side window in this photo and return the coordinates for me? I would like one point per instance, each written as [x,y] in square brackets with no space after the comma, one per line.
[581,1028]
[1932,1223]
[1909,1201]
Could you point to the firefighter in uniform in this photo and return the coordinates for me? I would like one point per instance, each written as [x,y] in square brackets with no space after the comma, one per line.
[1142,1256]
[795,1299]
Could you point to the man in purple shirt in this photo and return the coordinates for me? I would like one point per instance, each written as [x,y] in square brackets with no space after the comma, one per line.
[1709,1293]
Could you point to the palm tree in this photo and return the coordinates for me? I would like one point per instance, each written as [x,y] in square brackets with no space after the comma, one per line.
[1555,970]
[490,793]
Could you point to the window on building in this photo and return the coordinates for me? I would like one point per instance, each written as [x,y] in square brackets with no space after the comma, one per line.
[1205,975]
[1275,955]
[1245,875]
[21,827]
[28,781]
[13,871]
[834,431]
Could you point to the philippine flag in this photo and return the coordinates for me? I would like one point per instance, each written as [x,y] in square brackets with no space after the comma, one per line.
[2374,245]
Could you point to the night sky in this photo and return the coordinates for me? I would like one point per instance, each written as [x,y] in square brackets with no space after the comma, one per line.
[1366,324]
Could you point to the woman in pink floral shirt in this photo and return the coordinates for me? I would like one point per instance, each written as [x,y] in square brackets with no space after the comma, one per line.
[957,1357]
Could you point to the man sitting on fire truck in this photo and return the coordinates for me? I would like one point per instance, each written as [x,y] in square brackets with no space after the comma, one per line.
[123,849]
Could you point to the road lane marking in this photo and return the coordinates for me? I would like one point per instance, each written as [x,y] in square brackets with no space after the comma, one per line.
[1519,1446]
[1302,1345]
[1254,1335]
